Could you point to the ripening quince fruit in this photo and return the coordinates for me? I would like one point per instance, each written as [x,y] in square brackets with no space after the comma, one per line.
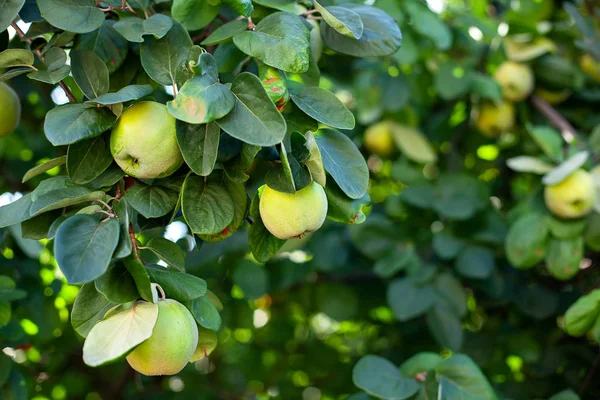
[173,341]
[515,79]
[10,109]
[207,342]
[144,143]
[590,66]
[379,139]
[289,216]
[495,119]
[573,197]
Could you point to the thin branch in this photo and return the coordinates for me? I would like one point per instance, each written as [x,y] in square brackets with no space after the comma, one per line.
[134,242]
[590,375]
[251,25]
[309,12]
[567,131]
[41,57]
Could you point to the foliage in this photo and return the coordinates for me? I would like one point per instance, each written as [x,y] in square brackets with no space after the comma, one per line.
[454,263]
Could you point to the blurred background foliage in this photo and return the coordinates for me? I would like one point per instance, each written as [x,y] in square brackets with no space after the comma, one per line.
[427,269]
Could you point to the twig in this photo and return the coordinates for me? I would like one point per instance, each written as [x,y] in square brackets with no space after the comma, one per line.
[589,376]
[309,12]
[134,242]
[567,131]
[251,25]
[41,57]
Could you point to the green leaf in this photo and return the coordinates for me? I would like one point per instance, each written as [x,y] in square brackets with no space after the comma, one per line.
[537,301]
[90,73]
[254,118]
[108,178]
[86,160]
[280,40]
[475,262]
[10,10]
[560,173]
[199,145]
[128,93]
[408,300]
[461,373]
[528,164]
[78,16]
[566,229]
[133,29]
[381,35]
[59,192]
[89,308]
[262,243]
[344,162]
[565,394]
[167,251]
[176,284]
[11,73]
[451,293]
[207,207]
[40,169]
[16,212]
[201,100]
[117,285]
[343,20]
[8,291]
[242,7]
[582,315]
[226,32]
[55,58]
[83,247]
[379,377]
[205,313]
[413,144]
[548,139]
[51,77]
[527,241]
[341,208]
[15,58]
[323,106]
[420,362]
[151,201]
[71,123]
[194,14]
[452,80]
[486,87]
[564,256]
[445,327]
[459,196]
[446,245]
[430,25]
[252,278]
[314,162]
[163,59]
[592,233]
[107,44]
[115,336]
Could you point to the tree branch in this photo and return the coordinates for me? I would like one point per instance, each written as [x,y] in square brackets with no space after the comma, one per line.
[63,86]
[567,131]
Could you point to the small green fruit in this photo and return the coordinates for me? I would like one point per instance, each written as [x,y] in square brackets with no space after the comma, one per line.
[292,215]
[379,140]
[144,143]
[10,111]
[493,120]
[207,342]
[573,197]
[173,341]
[515,79]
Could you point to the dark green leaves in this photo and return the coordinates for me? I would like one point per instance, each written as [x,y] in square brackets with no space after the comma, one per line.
[88,159]
[475,262]
[460,376]
[344,162]
[152,201]
[262,243]
[10,9]
[117,285]
[194,14]
[526,241]
[207,207]
[242,7]
[459,196]
[408,299]
[78,16]
[202,99]
[90,73]
[163,58]
[89,308]
[379,377]
[343,20]
[40,169]
[580,317]
[280,40]
[205,313]
[199,145]
[380,37]
[15,58]
[322,105]
[84,246]
[133,29]
[226,32]
[16,212]
[178,285]
[128,93]
[71,123]
[254,118]
[167,251]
